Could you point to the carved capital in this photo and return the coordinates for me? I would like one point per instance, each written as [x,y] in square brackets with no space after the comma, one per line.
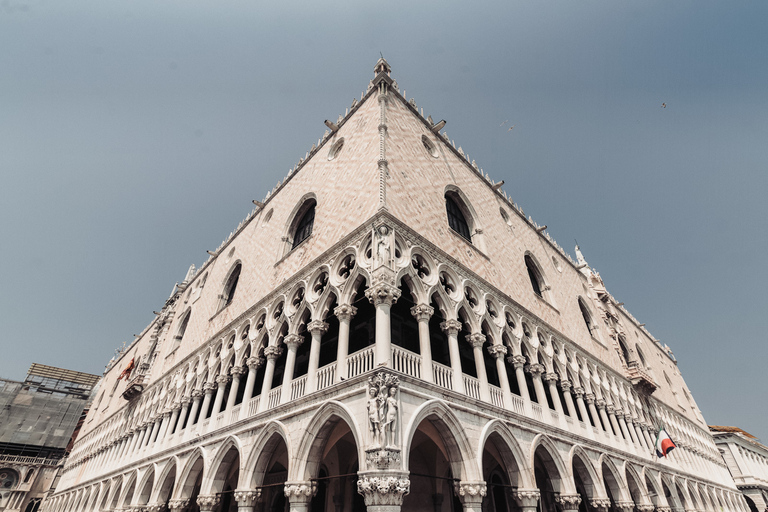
[608,408]
[451,327]
[223,380]
[254,363]
[238,370]
[345,312]
[578,391]
[569,501]
[383,490]
[536,369]
[247,497]
[382,458]
[317,327]
[497,351]
[382,292]
[470,492]
[185,400]
[300,492]
[293,340]
[155,507]
[589,398]
[178,505]
[196,394]
[517,361]
[565,385]
[208,502]
[663,509]
[209,387]
[550,377]
[476,339]
[600,403]
[422,312]
[625,506]
[645,508]
[526,498]
[601,504]
[273,352]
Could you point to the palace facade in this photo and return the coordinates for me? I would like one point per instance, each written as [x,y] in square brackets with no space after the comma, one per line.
[388,331]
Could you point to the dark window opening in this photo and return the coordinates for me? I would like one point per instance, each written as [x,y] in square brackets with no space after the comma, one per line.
[405,328]
[438,341]
[456,219]
[362,327]
[533,274]
[329,345]
[466,353]
[229,293]
[304,227]
[586,315]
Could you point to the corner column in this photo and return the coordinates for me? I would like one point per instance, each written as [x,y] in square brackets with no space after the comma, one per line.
[422,313]
[344,313]
[382,294]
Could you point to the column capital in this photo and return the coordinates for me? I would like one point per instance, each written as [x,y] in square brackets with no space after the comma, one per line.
[223,379]
[589,398]
[578,391]
[196,394]
[254,363]
[345,311]
[569,501]
[526,498]
[601,504]
[663,509]
[208,387]
[476,339]
[422,311]
[648,507]
[317,327]
[293,340]
[247,497]
[497,351]
[208,502]
[470,492]
[273,352]
[551,377]
[382,292]
[565,385]
[155,507]
[451,327]
[185,400]
[300,491]
[536,369]
[383,489]
[600,403]
[624,506]
[178,504]
[609,408]
[517,361]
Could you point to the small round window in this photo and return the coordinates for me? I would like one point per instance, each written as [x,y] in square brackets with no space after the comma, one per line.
[431,149]
[336,149]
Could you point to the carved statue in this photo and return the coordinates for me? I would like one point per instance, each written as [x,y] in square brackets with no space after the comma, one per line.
[383,250]
[390,425]
[374,416]
[383,409]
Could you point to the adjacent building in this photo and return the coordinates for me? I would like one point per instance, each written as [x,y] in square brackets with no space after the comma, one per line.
[39,420]
[388,331]
[747,459]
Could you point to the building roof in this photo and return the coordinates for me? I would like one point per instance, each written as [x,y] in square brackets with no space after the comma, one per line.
[734,430]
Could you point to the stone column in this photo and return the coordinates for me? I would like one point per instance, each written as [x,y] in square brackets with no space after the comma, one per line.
[600,504]
[590,399]
[208,502]
[196,395]
[527,499]
[247,500]
[140,438]
[518,363]
[344,313]
[569,502]
[222,381]
[565,385]
[477,340]
[208,388]
[536,371]
[498,352]
[627,426]
[471,495]
[135,434]
[383,492]
[165,423]
[237,374]
[299,495]
[382,295]
[422,313]
[612,416]
[317,328]
[155,430]
[185,401]
[178,505]
[253,365]
[600,404]
[452,328]
[271,353]
[551,380]
[292,341]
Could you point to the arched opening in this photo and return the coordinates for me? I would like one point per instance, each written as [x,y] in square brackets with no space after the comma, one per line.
[166,487]
[501,474]
[612,487]
[547,479]
[116,496]
[301,366]
[466,354]
[190,488]
[438,341]
[225,480]
[634,488]
[129,494]
[329,344]
[182,327]
[624,350]
[488,360]
[681,496]
[231,285]
[583,480]
[305,223]
[146,490]
[457,219]
[105,497]
[653,491]
[270,473]
[586,315]
[751,504]
[528,376]
[509,368]
[435,465]
[405,328]
[277,376]
[547,393]
[362,327]
[534,274]
[641,356]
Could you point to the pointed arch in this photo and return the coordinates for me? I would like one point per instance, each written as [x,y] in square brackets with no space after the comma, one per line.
[510,449]
[146,484]
[636,485]
[256,464]
[194,467]
[220,463]
[129,489]
[166,481]
[553,461]
[316,433]
[460,454]
[583,467]
[613,478]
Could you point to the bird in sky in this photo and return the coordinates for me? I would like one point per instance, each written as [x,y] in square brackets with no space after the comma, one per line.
[502,124]
[510,128]
[663,105]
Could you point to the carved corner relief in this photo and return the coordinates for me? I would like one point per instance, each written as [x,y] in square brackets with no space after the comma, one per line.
[383,412]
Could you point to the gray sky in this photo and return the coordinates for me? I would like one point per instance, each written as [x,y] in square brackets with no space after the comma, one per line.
[134,135]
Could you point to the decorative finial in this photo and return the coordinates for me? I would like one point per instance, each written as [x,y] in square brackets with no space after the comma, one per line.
[579,256]
[382,67]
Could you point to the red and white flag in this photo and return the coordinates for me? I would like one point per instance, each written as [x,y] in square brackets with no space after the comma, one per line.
[664,443]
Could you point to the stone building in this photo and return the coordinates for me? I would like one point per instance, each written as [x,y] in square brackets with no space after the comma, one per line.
[39,419]
[747,460]
[388,330]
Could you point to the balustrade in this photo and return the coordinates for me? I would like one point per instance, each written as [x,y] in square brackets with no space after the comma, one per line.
[298,387]
[538,414]
[234,414]
[471,387]
[360,362]
[253,406]
[517,405]
[497,396]
[442,375]
[406,362]
[273,399]
[326,376]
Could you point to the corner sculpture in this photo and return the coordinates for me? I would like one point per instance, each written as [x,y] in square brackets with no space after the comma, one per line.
[383,408]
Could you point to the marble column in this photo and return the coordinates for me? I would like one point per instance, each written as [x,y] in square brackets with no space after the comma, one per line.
[471,495]
[451,329]
[590,399]
[155,430]
[222,381]
[253,364]
[208,388]
[292,342]
[344,313]
[609,409]
[382,295]
[565,385]
[247,499]
[518,363]
[317,328]
[165,422]
[271,353]
[498,352]
[600,404]
[196,396]
[299,495]
[477,340]
[536,371]
[185,401]
[237,374]
[551,380]
[422,313]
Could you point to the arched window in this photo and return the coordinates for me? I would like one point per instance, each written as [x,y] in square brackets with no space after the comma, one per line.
[641,357]
[231,286]
[456,219]
[624,350]
[535,275]
[587,316]
[182,327]
[304,226]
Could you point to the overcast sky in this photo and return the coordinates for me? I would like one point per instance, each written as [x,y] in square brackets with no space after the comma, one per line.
[134,135]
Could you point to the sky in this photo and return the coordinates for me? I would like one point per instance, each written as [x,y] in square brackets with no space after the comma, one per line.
[134,135]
